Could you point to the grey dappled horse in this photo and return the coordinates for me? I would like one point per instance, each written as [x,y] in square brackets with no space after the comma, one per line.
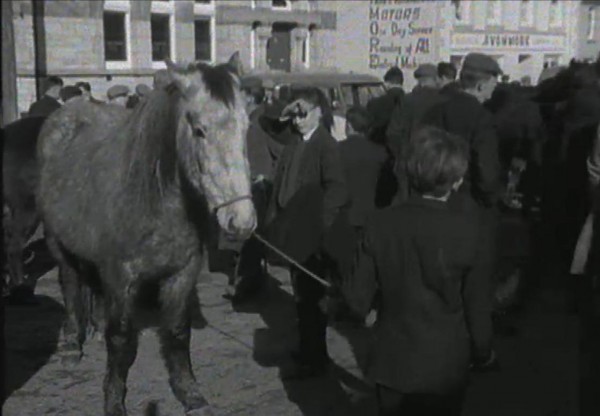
[126,203]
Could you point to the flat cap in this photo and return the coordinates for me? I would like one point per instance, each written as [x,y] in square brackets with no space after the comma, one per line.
[68,92]
[426,71]
[479,62]
[142,90]
[117,91]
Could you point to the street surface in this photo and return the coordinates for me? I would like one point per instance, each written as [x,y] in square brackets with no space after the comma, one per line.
[238,355]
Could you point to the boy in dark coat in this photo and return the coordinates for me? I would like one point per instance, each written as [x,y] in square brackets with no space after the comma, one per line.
[422,260]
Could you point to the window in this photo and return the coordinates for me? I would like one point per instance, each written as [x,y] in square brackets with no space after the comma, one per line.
[115,37]
[116,23]
[591,26]
[555,16]
[494,12]
[161,39]
[202,39]
[551,61]
[281,4]
[524,57]
[526,13]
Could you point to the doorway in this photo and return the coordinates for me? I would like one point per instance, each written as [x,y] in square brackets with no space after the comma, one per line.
[279,47]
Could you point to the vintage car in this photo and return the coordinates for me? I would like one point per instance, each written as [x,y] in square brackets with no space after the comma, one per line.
[344,90]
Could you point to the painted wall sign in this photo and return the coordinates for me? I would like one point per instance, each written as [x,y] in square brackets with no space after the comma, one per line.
[401,33]
[507,41]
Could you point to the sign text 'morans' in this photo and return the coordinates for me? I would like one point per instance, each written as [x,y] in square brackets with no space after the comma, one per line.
[388,14]
[506,40]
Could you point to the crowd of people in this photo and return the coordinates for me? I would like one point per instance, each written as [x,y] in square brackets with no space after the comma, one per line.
[418,248]
[402,217]
[57,94]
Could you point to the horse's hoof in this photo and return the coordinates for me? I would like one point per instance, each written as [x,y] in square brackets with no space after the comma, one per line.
[203,411]
[70,358]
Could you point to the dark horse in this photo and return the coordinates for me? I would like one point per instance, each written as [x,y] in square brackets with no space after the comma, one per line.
[19,181]
[127,200]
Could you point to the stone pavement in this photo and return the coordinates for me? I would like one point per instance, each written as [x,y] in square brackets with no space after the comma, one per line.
[238,355]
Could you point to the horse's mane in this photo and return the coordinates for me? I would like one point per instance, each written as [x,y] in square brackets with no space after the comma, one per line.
[150,134]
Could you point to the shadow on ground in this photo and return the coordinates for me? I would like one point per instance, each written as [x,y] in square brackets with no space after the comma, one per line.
[338,393]
[32,334]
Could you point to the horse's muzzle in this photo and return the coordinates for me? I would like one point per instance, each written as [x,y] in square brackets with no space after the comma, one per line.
[238,219]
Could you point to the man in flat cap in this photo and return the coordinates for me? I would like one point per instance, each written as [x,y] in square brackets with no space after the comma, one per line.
[405,120]
[49,102]
[380,108]
[118,94]
[462,113]
[69,92]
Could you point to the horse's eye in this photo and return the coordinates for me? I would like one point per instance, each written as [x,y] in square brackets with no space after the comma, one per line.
[199,132]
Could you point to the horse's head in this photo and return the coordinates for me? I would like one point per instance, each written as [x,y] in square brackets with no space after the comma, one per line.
[211,140]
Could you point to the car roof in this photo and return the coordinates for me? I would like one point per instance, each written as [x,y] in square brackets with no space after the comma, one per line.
[317,79]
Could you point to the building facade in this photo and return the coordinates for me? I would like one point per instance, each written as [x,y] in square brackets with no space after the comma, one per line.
[125,41]
[525,36]
[587,31]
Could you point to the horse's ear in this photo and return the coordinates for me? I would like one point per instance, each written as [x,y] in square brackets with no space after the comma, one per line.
[235,64]
[180,79]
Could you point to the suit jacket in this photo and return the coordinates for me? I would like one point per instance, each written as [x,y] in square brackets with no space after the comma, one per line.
[461,114]
[319,191]
[362,161]
[380,110]
[44,107]
[422,260]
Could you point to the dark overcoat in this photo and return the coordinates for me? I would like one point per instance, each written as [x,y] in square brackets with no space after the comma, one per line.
[380,110]
[422,261]
[44,107]
[362,161]
[319,192]
[462,114]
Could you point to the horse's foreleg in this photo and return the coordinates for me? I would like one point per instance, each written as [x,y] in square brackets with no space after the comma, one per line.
[121,347]
[175,331]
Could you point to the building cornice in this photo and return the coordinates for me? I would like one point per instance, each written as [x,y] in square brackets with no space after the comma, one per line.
[245,15]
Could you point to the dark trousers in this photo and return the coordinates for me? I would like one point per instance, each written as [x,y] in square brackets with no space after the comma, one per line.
[312,322]
[395,403]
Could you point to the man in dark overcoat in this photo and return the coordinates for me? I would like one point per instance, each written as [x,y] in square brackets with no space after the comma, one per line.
[49,102]
[362,161]
[462,113]
[308,192]
[380,108]
[406,118]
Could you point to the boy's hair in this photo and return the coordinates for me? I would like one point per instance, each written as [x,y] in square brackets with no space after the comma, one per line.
[436,160]
[359,119]
[446,70]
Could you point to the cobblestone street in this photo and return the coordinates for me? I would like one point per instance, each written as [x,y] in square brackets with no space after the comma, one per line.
[238,355]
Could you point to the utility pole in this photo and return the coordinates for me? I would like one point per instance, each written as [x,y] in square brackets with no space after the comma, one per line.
[9,66]
[39,42]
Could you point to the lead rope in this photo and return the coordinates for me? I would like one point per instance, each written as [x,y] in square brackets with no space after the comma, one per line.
[291,260]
